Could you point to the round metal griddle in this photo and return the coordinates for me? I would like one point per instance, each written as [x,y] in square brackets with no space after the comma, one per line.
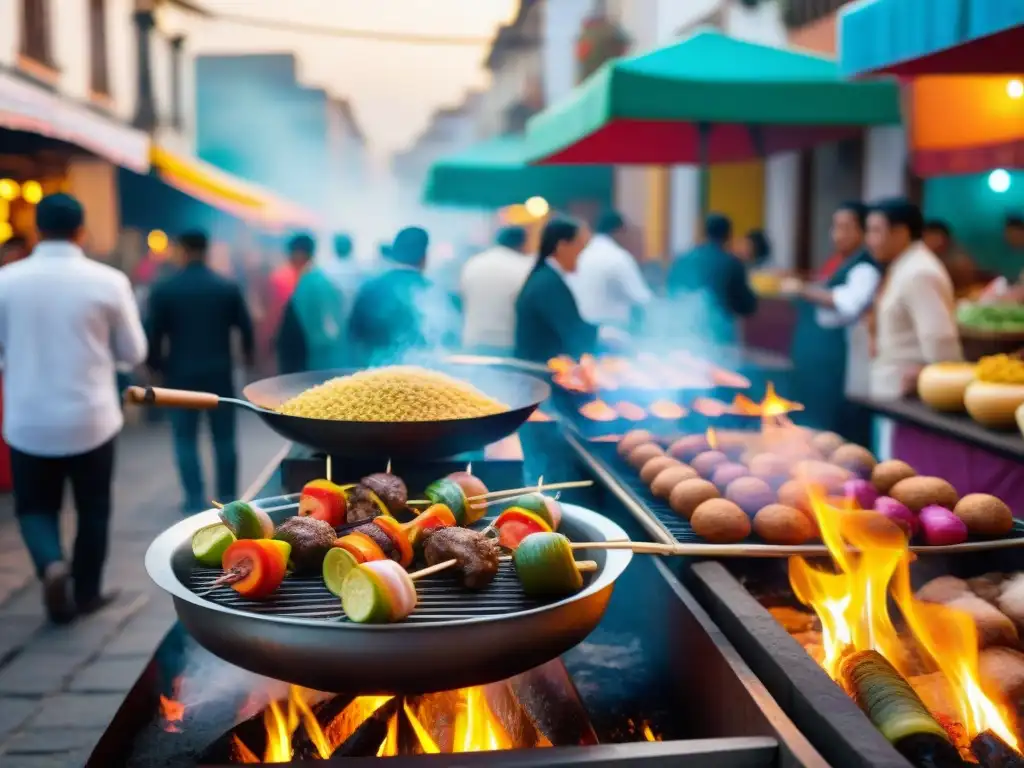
[454,638]
[520,391]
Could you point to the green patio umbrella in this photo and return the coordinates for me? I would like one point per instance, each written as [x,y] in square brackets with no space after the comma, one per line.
[495,173]
[706,99]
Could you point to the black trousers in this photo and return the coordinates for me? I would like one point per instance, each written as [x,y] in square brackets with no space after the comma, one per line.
[39,483]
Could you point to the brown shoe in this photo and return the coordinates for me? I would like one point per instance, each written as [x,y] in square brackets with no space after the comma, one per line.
[97,603]
[57,594]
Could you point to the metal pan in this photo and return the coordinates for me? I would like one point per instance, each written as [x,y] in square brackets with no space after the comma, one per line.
[454,638]
[521,392]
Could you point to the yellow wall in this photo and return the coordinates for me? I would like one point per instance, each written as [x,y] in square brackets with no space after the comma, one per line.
[659,190]
[737,190]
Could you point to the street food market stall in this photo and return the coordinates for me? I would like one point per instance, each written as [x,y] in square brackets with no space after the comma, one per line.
[669,633]
[964,62]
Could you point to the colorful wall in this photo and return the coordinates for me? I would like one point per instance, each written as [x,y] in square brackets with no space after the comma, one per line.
[976,214]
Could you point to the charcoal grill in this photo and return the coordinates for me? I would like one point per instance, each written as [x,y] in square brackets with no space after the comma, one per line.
[667,527]
[455,638]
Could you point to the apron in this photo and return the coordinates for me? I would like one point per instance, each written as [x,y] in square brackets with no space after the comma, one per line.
[828,363]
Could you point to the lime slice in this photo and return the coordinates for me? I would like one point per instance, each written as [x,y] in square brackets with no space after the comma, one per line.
[210,543]
[337,564]
[363,598]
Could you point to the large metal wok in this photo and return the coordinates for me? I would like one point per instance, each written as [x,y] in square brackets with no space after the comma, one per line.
[521,392]
[455,638]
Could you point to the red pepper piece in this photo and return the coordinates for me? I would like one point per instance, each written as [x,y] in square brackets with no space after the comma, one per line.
[255,567]
[434,516]
[398,537]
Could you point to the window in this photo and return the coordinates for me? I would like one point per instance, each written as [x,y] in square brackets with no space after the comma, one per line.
[99,79]
[35,31]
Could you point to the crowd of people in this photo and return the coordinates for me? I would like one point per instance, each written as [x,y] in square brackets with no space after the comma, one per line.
[882,308]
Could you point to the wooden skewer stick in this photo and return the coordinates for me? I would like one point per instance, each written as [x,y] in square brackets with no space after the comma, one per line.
[532,489]
[584,566]
[217,504]
[327,471]
[640,547]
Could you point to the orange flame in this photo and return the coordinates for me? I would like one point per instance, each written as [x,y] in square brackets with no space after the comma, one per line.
[872,557]
[172,712]
[712,439]
[771,406]
[598,410]
[666,409]
[630,411]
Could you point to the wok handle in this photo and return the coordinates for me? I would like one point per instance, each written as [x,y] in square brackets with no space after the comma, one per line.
[161,397]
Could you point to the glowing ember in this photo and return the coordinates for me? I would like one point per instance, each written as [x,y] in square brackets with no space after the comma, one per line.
[648,371]
[630,411]
[172,713]
[724,378]
[872,561]
[598,410]
[606,439]
[539,416]
[666,409]
[711,437]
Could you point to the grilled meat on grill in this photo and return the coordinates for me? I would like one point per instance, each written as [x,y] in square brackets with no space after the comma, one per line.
[361,505]
[381,539]
[390,488]
[476,554]
[310,540]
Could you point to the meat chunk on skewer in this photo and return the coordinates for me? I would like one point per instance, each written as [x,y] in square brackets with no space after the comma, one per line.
[362,505]
[476,554]
[390,488]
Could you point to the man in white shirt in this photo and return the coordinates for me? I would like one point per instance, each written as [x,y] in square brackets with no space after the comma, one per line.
[489,284]
[915,318]
[608,284]
[65,323]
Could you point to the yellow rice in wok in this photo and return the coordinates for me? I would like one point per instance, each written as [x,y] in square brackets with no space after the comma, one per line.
[396,393]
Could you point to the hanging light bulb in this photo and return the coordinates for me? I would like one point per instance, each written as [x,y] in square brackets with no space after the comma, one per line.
[157,241]
[1015,89]
[9,189]
[32,192]
[999,181]
[537,207]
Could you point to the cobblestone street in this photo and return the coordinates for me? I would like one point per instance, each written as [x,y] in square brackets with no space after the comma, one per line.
[60,686]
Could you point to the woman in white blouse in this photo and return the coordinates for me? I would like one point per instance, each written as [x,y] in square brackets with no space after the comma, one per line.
[915,315]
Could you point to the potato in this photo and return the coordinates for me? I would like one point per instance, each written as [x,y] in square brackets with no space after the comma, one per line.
[797,494]
[826,443]
[984,514]
[719,521]
[854,458]
[765,465]
[943,589]
[644,453]
[919,492]
[994,626]
[1011,600]
[669,478]
[886,474]
[690,494]
[650,470]
[827,475]
[778,524]
[632,439]
[1002,675]
[726,472]
[705,463]
[687,448]
[750,494]
[988,587]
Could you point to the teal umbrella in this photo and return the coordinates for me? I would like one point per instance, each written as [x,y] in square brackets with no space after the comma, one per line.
[495,173]
[709,98]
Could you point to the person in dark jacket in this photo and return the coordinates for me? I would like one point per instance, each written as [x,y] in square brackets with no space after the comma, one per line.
[401,312]
[290,343]
[710,269]
[192,316]
[548,322]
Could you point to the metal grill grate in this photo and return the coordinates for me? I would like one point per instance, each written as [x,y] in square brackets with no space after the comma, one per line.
[441,598]
[677,526]
[629,479]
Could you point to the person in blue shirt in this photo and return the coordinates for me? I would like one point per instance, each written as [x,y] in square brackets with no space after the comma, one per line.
[192,317]
[719,277]
[400,312]
[318,305]
[548,321]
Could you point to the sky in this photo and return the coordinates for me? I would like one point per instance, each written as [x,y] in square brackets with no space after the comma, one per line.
[393,88]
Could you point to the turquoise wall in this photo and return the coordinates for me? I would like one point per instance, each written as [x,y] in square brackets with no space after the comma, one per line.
[976,214]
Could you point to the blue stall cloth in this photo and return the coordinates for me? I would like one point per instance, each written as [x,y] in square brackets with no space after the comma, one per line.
[931,37]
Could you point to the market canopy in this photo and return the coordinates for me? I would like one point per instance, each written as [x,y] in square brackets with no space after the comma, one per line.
[227,193]
[932,37]
[495,173]
[708,98]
